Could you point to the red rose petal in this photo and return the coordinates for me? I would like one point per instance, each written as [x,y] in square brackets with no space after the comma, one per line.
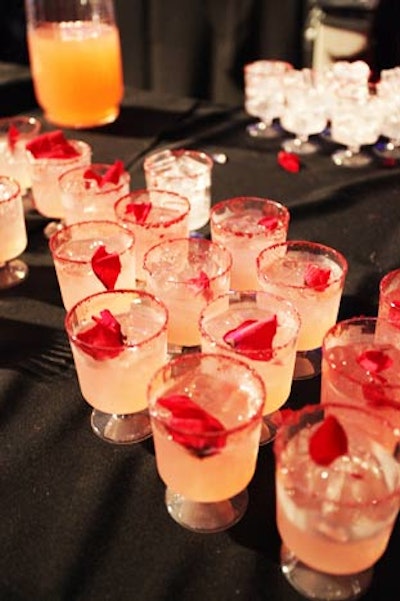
[106,266]
[52,145]
[316,277]
[289,161]
[12,137]
[193,427]
[270,223]
[111,176]
[254,335]
[92,174]
[328,442]
[140,210]
[201,285]
[394,313]
[375,395]
[104,340]
[374,361]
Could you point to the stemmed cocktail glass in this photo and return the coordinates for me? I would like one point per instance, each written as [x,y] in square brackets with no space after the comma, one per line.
[312,277]
[13,236]
[206,418]
[118,340]
[15,133]
[262,330]
[337,498]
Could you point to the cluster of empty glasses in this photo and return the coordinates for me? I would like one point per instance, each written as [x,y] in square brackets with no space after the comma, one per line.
[197,342]
[338,103]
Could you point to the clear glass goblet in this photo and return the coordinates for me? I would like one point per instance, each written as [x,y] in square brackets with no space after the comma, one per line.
[13,236]
[389,147]
[205,413]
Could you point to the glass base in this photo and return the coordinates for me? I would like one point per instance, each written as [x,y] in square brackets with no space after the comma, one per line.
[347,158]
[177,349]
[269,427]
[206,517]
[263,130]
[387,151]
[12,273]
[297,146]
[308,364]
[105,118]
[121,429]
[321,586]
[52,227]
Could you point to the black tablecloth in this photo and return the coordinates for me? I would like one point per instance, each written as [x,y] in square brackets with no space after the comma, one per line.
[83,520]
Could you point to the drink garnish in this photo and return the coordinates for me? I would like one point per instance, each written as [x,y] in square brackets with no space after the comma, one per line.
[139,210]
[104,340]
[316,277]
[106,266]
[394,313]
[289,161]
[52,145]
[254,337]
[328,441]
[12,136]
[112,174]
[201,285]
[374,361]
[375,395]
[269,223]
[192,426]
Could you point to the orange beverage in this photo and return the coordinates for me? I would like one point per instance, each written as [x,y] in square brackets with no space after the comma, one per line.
[77,71]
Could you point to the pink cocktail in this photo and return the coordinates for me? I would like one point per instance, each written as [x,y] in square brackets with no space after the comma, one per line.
[389,297]
[15,132]
[261,329]
[118,340]
[93,256]
[337,498]
[13,236]
[245,226]
[205,411]
[312,277]
[154,216]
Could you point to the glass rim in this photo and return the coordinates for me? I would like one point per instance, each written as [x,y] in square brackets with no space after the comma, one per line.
[283,213]
[15,192]
[25,120]
[83,147]
[206,160]
[387,280]
[123,201]
[96,190]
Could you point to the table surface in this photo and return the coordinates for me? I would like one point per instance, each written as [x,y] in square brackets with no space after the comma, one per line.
[83,520]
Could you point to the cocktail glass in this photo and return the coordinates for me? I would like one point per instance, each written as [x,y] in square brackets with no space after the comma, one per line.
[305,111]
[13,237]
[15,132]
[118,340]
[205,412]
[337,498]
[260,329]
[265,95]
[389,297]
[245,226]
[355,122]
[186,274]
[75,58]
[91,257]
[361,365]
[186,172]
[45,173]
[153,216]
[88,195]
[312,277]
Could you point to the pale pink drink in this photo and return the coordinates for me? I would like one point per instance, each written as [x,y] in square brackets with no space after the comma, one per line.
[154,216]
[205,411]
[312,277]
[118,340]
[88,195]
[13,236]
[93,256]
[245,226]
[186,273]
[15,132]
[389,297]
[337,498]
[260,329]
[361,365]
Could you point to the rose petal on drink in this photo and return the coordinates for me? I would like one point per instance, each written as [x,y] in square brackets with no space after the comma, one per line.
[375,395]
[254,335]
[328,442]
[52,145]
[201,285]
[289,161]
[394,313]
[104,340]
[374,361]
[316,277]
[113,173]
[192,427]
[12,136]
[270,223]
[106,266]
[92,174]
[139,210]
